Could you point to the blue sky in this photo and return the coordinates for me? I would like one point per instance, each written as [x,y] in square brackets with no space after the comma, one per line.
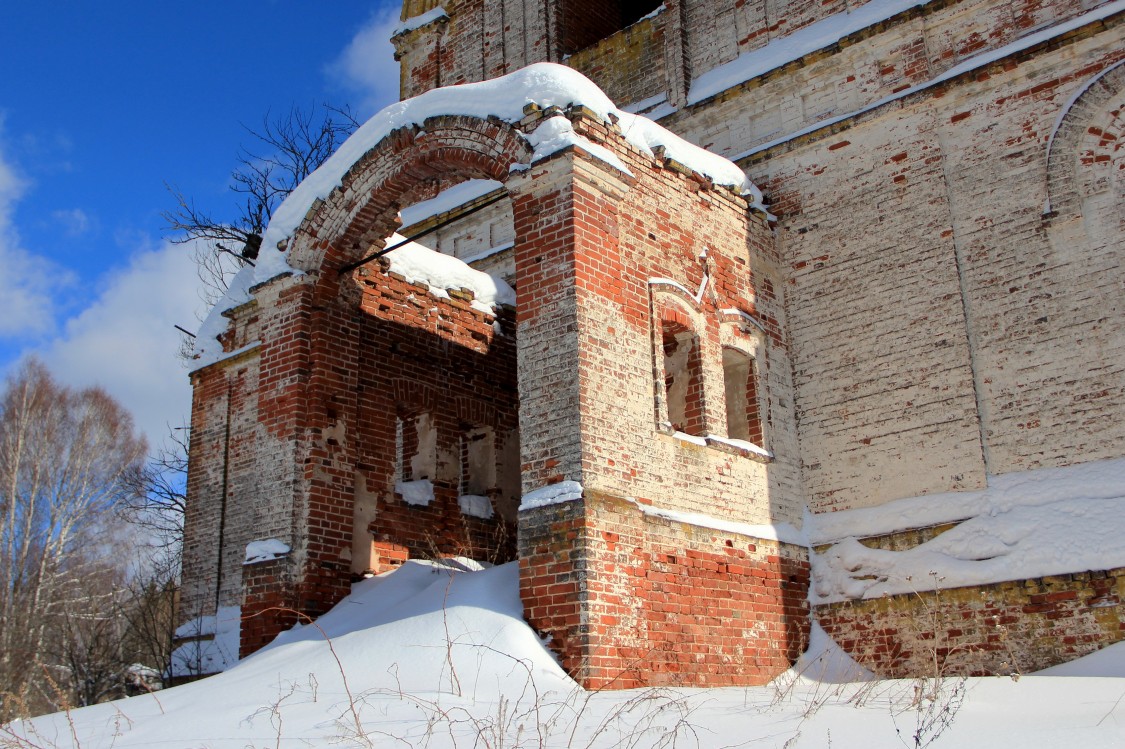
[101,104]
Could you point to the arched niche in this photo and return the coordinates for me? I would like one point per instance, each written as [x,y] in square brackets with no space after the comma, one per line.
[1086,150]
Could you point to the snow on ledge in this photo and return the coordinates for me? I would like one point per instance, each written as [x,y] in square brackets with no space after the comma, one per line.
[784,533]
[442,272]
[477,257]
[447,200]
[265,550]
[673,284]
[1048,521]
[214,357]
[419,21]
[745,316]
[639,107]
[967,66]
[655,12]
[793,46]
[475,505]
[418,493]
[557,133]
[740,444]
[552,494]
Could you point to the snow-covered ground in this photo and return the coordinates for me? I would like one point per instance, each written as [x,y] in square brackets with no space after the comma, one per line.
[433,656]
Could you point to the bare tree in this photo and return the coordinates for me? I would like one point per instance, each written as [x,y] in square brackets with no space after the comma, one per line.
[285,150]
[68,460]
[159,498]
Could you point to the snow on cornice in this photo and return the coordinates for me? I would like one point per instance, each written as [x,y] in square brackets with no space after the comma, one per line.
[447,200]
[793,46]
[419,21]
[966,66]
[543,84]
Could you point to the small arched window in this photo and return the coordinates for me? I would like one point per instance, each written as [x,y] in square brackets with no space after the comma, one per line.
[740,381]
[683,378]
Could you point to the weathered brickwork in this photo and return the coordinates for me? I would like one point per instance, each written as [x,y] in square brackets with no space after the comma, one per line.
[1007,628]
[485,242]
[267,604]
[980,325]
[630,66]
[932,301]
[608,274]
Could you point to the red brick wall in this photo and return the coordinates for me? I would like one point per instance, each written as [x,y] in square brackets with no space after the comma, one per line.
[339,359]
[268,607]
[631,600]
[341,355]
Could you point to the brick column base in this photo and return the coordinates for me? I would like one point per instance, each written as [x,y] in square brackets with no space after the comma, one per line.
[631,599]
[267,604]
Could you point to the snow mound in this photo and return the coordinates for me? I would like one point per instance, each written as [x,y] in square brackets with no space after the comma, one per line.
[1107,662]
[825,662]
[427,632]
[433,655]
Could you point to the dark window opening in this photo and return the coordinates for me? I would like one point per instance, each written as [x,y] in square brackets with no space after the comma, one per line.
[478,461]
[740,380]
[683,378]
[583,22]
[415,445]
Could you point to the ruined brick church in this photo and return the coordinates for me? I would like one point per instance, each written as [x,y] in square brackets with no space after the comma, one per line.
[690,403]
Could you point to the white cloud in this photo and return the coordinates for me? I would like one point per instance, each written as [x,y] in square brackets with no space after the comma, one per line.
[74,222]
[124,341]
[367,65]
[28,282]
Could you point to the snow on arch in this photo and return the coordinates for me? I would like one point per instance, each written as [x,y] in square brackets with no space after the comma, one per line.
[543,84]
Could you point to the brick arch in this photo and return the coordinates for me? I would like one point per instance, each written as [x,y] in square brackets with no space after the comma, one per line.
[671,296]
[1088,132]
[362,212]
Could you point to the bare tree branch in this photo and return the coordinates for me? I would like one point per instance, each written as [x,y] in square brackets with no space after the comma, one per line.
[284,151]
